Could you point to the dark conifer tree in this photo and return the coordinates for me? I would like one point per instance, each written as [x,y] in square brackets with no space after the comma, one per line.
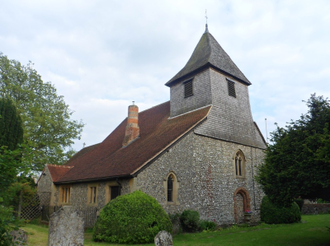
[11,130]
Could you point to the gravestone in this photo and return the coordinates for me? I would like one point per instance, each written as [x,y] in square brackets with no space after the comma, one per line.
[163,238]
[66,228]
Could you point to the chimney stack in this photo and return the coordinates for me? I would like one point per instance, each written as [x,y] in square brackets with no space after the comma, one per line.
[132,131]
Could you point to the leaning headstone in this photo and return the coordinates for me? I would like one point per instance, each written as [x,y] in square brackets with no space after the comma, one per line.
[163,238]
[19,237]
[66,228]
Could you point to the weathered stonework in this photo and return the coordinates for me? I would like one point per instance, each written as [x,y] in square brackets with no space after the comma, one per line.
[66,227]
[206,174]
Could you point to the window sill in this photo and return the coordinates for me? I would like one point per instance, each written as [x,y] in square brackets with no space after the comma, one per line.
[172,203]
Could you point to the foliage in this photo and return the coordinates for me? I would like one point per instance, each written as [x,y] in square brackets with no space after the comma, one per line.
[174,217]
[319,201]
[48,129]
[6,225]
[205,225]
[132,218]
[11,131]
[274,214]
[297,161]
[189,220]
[300,202]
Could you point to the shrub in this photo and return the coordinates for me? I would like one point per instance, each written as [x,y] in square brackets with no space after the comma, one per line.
[6,225]
[132,218]
[205,225]
[300,202]
[189,220]
[272,214]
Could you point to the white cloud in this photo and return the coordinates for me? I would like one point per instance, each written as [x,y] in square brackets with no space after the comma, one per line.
[101,55]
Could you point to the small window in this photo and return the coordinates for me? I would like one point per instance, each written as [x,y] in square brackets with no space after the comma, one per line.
[239,165]
[231,88]
[65,194]
[115,191]
[188,88]
[170,188]
[92,194]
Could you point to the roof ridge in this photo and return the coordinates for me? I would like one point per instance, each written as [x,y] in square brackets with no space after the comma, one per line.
[55,165]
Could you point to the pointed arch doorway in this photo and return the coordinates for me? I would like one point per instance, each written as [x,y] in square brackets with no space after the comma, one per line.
[241,204]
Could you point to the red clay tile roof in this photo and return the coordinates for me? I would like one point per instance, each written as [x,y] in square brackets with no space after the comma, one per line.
[109,159]
[57,171]
[82,152]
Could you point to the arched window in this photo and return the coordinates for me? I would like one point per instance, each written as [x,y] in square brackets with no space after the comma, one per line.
[239,164]
[171,185]
[170,188]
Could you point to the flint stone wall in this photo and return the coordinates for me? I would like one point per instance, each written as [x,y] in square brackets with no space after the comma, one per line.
[66,228]
[316,208]
[205,171]
[79,199]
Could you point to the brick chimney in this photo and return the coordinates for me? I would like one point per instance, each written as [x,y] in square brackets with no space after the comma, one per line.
[132,131]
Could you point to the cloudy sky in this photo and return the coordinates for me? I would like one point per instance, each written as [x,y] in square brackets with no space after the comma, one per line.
[102,55]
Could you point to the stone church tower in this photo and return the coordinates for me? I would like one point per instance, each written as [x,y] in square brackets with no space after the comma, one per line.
[210,77]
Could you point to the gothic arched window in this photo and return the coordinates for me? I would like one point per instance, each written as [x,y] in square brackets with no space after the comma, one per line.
[170,188]
[239,164]
[171,185]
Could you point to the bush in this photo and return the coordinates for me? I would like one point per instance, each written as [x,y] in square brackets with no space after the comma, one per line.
[272,214]
[6,225]
[300,202]
[189,220]
[132,218]
[205,225]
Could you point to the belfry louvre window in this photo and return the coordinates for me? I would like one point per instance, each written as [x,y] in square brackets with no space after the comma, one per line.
[231,88]
[188,88]
[115,191]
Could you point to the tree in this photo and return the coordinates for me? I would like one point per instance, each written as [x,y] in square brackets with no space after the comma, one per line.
[11,135]
[11,131]
[48,129]
[297,162]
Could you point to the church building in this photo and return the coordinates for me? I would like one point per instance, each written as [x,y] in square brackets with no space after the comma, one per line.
[199,151]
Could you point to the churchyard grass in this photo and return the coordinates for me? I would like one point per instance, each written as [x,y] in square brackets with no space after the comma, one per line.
[312,231]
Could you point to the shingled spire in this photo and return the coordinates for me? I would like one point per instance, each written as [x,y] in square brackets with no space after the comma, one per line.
[209,53]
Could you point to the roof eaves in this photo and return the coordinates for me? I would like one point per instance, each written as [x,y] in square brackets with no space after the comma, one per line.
[204,67]
[170,144]
[93,179]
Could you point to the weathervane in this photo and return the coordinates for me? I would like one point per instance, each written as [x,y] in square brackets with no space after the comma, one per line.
[206,15]
[206,28]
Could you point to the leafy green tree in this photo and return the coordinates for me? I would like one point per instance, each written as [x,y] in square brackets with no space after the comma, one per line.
[297,162]
[48,129]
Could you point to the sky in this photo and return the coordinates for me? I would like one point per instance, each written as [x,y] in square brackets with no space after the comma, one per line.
[103,54]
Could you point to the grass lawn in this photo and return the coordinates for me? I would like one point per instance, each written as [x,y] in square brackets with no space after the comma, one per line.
[312,231]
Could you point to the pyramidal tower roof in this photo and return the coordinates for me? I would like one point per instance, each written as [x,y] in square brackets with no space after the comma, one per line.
[209,53]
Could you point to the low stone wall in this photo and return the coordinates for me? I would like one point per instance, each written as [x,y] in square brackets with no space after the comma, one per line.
[316,208]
